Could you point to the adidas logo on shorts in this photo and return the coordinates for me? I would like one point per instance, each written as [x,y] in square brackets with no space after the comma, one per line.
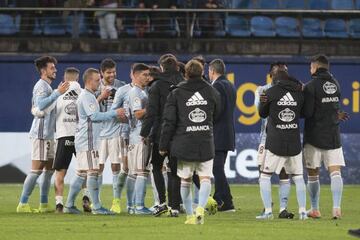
[287,100]
[195,100]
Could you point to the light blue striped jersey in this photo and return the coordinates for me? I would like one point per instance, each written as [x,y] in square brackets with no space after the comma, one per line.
[258,92]
[137,100]
[44,98]
[110,129]
[121,101]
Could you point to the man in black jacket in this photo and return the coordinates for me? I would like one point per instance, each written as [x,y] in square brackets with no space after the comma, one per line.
[151,127]
[187,133]
[283,147]
[322,134]
[224,133]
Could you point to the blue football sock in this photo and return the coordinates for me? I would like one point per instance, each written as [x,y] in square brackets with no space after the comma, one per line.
[130,190]
[122,182]
[140,191]
[75,188]
[204,192]
[284,191]
[44,185]
[100,182]
[196,195]
[336,188]
[93,188]
[300,192]
[313,187]
[165,179]
[29,185]
[154,190]
[186,197]
[115,185]
[265,191]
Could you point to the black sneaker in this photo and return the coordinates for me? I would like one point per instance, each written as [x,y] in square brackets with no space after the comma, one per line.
[354,232]
[160,209]
[226,208]
[86,204]
[286,215]
[59,208]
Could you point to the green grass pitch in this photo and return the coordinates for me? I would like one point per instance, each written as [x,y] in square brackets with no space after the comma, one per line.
[239,225]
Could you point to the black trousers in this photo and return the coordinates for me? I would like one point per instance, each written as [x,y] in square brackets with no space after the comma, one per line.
[157,162]
[222,190]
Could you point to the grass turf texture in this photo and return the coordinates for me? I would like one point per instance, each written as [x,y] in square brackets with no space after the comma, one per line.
[239,225]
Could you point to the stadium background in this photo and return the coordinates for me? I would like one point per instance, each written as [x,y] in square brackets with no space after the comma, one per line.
[18,76]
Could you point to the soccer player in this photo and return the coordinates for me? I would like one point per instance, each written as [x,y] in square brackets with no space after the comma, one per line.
[109,135]
[139,151]
[42,134]
[283,109]
[125,176]
[322,141]
[284,186]
[87,144]
[65,132]
[187,135]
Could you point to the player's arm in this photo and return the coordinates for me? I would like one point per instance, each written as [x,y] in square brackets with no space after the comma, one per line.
[42,101]
[264,107]
[152,111]
[118,102]
[169,124]
[257,97]
[95,115]
[139,114]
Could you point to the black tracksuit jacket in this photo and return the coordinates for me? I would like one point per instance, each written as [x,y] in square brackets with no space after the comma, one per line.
[187,130]
[158,93]
[283,109]
[322,100]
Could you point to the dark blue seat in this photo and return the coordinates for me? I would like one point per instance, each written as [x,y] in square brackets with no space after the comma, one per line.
[357,4]
[335,28]
[312,28]
[262,26]
[8,25]
[318,4]
[294,4]
[54,26]
[269,4]
[287,27]
[342,4]
[354,28]
[81,24]
[38,27]
[242,4]
[237,26]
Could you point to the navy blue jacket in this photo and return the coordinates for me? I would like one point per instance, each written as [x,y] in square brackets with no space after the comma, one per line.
[224,129]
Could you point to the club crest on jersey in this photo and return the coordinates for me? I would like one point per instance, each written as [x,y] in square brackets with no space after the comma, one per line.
[196,99]
[70,109]
[329,88]
[286,115]
[287,100]
[92,107]
[197,115]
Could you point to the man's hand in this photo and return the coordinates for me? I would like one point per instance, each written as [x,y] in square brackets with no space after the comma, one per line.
[145,140]
[104,94]
[263,98]
[343,116]
[63,87]
[121,114]
[163,153]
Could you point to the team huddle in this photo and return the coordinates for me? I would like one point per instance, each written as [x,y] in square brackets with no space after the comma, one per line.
[176,126]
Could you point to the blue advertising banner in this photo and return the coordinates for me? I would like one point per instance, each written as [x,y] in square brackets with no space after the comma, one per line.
[18,76]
